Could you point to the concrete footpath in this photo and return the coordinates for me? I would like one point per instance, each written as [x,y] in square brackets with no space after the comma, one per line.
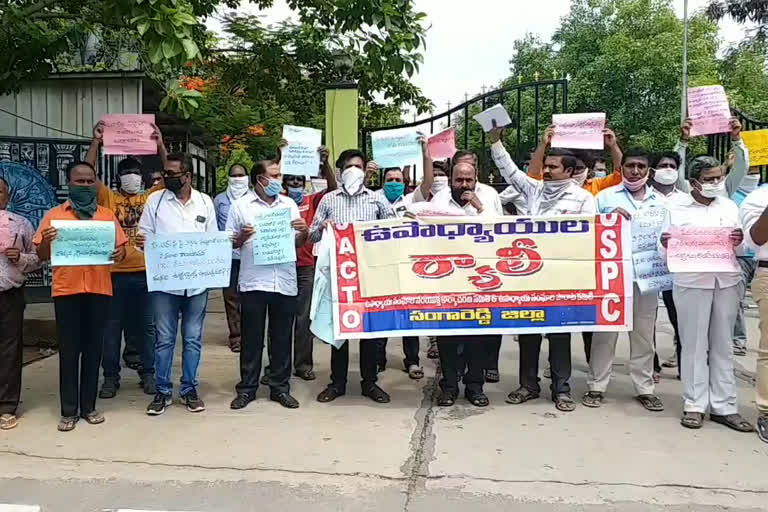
[355,455]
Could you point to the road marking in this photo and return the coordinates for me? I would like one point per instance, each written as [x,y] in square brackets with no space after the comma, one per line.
[19,508]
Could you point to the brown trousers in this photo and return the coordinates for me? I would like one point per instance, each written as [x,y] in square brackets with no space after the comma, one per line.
[232,305]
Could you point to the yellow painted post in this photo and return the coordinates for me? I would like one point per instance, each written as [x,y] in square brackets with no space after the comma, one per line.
[341,130]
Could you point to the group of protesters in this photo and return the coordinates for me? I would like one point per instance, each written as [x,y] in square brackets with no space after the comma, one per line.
[98,306]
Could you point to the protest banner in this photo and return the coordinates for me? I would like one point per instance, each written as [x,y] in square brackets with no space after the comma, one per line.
[757,143]
[467,275]
[701,249]
[708,110]
[396,148]
[273,240]
[301,158]
[578,131]
[494,117]
[129,134]
[442,144]
[651,272]
[82,242]
[188,260]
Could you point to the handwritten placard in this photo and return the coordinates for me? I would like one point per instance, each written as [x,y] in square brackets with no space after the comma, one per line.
[651,272]
[82,243]
[396,148]
[129,134]
[188,260]
[442,144]
[757,143]
[708,110]
[578,131]
[273,240]
[301,158]
[319,184]
[646,228]
[494,117]
[701,249]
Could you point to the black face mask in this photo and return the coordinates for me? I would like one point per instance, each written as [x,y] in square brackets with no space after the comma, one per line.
[174,184]
[456,193]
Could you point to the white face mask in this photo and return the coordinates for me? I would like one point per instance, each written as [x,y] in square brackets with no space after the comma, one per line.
[600,174]
[238,186]
[749,183]
[440,183]
[713,190]
[580,178]
[352,179]
[130,183]
[665,176]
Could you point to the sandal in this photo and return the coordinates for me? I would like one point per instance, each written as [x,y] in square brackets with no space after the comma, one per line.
[432,353]
[446,399]
[650,402]
[565,403]
[492,376]
[8,421]
[593,399]
[693,420]
[521,395]
[415,372]
[478,399]
[733,421]
[94,418]
[67,424]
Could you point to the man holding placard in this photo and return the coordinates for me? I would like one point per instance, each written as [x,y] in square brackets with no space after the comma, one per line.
[17,258]
[639,203]
[178,209]
[351,203]
[267,229]
[82,240]
[129,278]
[700,240]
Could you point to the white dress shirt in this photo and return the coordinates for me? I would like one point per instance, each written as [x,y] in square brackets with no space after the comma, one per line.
[164,214]
[487,195]
[751,209]
[278,278]
[722,212]
[13,275]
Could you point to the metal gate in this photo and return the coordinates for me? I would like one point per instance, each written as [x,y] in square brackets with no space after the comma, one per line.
[530,106]
[719,145]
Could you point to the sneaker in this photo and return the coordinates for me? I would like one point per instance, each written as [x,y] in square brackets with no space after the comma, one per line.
[149,385]
[193,402]
[159,404]
[109,389]
[739,351]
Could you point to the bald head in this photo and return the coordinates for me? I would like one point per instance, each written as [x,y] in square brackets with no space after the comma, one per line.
[5,194]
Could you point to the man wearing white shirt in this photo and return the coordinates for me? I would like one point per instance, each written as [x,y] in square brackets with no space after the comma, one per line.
[556,194]
[706,304]
[178,209]
[265,290]
[754,220]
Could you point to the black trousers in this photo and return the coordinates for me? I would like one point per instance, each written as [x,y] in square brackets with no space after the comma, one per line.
[11,348]
[80,323]
[559,361]
[474,354]
[255,308]
[587,338]
[302,336]
[492,350]
[410,351]
[340,364]
[669,303]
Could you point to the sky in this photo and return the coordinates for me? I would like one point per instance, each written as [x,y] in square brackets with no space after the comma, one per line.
[479,35]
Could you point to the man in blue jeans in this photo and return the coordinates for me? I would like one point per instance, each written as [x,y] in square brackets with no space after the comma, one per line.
[178,209]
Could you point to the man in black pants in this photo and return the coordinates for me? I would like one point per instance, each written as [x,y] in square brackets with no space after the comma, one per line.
[266,289]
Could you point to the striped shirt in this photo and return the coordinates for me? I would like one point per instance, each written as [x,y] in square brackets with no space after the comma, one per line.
[341,208]
[531,196]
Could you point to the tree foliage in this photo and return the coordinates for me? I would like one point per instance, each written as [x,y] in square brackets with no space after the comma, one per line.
[743,11]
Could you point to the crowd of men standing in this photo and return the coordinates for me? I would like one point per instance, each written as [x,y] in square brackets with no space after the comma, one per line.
[96,307]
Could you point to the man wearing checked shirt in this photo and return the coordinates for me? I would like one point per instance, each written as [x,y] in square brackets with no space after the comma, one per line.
[632,196]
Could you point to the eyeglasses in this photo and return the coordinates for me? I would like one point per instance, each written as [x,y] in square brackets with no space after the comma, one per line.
[173,174]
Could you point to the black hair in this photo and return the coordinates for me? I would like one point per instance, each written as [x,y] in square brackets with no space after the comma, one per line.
[462,154]
[72,165]
[636,153]
[128,164]
[701,164]
[585,156]
[566,157]
[229,171]
[672,155]
[183,158]
[347,155]
[260,168]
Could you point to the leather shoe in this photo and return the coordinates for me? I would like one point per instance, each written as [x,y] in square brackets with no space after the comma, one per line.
[285,399]
[305,374]
[241,401]
[329,394]
[376,394]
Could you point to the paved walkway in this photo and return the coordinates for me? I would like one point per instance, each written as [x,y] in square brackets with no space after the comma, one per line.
[354,455]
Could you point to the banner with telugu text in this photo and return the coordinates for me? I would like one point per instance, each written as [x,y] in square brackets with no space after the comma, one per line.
[467,275]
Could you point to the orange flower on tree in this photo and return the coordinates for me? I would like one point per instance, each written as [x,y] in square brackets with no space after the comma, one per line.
[256,130]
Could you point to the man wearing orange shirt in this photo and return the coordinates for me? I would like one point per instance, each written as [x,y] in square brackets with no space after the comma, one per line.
[81,295]
[130,309]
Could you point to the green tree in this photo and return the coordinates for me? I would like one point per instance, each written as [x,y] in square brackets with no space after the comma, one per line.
[744,77]
[743,11]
